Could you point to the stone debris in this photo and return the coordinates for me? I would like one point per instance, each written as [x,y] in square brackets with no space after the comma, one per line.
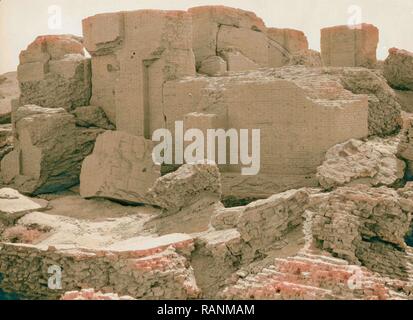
[120,168]
[384,110]
[309,58]
[350,46]
[48,150]
[398,69]
[318,95]
[364,225]
[309,277]
[92,116]
[373,162]
[9,91]
[265,222]
[142,274]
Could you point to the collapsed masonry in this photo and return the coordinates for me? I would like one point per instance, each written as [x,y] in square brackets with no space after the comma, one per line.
[301,244]
[210,67]
[326,120]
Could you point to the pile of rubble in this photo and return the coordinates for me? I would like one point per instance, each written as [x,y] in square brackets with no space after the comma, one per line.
[328,216]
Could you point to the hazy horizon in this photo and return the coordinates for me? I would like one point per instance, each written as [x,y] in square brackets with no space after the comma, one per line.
[21,21]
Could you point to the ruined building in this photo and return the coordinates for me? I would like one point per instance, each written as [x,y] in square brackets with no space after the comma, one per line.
[331,201]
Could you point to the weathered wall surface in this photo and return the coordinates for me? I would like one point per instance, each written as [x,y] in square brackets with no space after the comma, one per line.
[298,119]
[143,50]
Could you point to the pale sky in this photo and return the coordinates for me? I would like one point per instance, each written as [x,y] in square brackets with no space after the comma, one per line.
[22,20]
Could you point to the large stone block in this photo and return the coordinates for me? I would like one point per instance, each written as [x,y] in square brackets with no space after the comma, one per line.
[373,163]
[284,44]
[350,46]
[103,32]
[54,73]
[49,150]
[398,69]
[186,186]
[120,168]
[384,110]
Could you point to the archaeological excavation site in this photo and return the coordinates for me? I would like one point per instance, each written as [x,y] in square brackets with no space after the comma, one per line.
[322,211]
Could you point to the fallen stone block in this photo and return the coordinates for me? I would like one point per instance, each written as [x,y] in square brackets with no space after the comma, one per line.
[120,168]
[92,116]
[373,163]
[48,152]
[264,223]
[350,46]
[384,110]
[186,186]
[398,69]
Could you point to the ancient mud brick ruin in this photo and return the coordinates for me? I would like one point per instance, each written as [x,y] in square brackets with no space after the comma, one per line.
[328,216]
[144,75]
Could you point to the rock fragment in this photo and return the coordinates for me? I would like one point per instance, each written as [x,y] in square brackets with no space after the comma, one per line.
[398,69]
[188,185]
[120,168]
[92,116]
[373,162]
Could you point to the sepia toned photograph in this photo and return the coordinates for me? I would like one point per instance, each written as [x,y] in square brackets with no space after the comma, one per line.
[209,153]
